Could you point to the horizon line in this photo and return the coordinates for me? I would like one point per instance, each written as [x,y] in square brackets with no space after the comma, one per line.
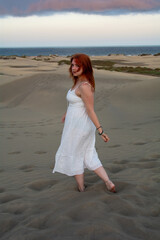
[140,45]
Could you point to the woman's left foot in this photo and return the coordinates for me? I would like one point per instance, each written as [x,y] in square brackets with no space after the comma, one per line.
[110,186]
[82,190]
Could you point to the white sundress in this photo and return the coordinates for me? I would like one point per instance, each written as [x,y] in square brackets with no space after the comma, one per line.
[77,148]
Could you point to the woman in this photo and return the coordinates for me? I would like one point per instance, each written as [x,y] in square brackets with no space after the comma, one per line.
[77,149]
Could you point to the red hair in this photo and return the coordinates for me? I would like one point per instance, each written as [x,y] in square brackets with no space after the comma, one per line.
[85,63]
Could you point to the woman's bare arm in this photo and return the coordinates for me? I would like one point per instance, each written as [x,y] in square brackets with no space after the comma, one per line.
[63,118]
[88,98]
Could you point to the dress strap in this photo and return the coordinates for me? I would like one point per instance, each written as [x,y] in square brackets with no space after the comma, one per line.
[83,83]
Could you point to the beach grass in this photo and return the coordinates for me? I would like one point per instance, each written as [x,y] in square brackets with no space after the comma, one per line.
[109,65]
[157,54]
[137,70]
[61,62]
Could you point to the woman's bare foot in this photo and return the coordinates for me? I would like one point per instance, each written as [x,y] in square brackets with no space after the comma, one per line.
[110,186]
[82,189]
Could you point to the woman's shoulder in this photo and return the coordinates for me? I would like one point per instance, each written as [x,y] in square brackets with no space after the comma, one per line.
[85,86]
[85,82]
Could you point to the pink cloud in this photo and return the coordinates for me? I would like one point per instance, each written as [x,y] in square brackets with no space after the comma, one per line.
[3,10]
[89,6]
[94,5]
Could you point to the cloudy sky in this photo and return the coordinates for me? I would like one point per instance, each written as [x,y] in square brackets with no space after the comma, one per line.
[26,23]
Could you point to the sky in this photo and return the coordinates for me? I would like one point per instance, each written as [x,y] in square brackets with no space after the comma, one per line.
[48,23]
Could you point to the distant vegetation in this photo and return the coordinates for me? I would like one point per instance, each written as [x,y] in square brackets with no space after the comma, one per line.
[144,54]
[103,64]
[61,62]
[8,57]
[109,65]
[157,54]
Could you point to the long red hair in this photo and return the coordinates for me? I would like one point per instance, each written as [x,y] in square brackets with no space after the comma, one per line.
[85,63]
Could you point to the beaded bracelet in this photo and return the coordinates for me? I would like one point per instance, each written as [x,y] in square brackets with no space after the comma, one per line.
[99,127]
[101,133]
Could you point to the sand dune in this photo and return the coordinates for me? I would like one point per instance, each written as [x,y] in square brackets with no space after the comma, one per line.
[36,204]
[41,91]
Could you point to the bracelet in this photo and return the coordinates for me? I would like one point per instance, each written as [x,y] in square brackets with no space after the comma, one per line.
[99,127]
[101,133]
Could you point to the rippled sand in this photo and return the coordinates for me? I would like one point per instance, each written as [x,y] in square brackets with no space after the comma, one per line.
[36,204]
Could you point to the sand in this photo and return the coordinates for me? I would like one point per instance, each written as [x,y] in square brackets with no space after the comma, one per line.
[36,204]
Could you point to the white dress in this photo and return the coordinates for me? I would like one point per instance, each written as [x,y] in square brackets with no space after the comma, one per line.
[77,148]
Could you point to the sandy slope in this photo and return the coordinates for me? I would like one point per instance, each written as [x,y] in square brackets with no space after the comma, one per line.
[36,204]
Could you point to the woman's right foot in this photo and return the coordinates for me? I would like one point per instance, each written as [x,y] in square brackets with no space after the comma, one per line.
[110,186]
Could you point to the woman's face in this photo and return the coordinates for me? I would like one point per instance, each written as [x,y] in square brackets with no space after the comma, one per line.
[76,69]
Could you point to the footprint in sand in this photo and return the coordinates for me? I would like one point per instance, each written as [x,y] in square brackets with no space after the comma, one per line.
[16,208]
[124,187]
[139,143]
[155,156]
[135,129]
[9,197]
[143,164]
[120,205]
[148,165]
[145,160]
[130,227]
[156,170]
[38,222]
[41,184]
[155,211]
[77,212]
[28,134]
[7,223]
[16,152]
[114,146]
[27,168]
[40,152]
[41,134]
[121,161]
[146,190]
[14,133]
[116,169]
[156,178]
[135,199]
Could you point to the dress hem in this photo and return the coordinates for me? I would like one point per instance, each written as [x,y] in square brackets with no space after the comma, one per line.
[77,173]
[68,174]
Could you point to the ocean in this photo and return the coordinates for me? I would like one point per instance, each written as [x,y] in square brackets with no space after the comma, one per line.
[91,51]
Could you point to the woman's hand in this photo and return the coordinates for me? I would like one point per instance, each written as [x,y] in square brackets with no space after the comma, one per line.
[105,137]
[63,118]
